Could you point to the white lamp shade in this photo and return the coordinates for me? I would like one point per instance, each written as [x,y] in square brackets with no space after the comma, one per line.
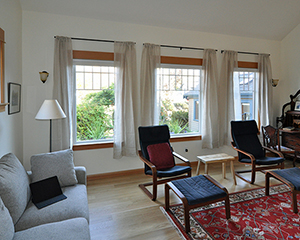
[50,109]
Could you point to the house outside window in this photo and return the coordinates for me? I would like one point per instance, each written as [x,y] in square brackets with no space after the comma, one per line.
[245,94]
[94,100]
[178,91]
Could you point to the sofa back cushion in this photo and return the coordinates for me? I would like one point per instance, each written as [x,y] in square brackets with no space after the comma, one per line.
[7,229]
[14,186]
[58,164]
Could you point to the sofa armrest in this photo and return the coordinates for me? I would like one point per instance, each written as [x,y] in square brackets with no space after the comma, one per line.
[81,175]
[80,172]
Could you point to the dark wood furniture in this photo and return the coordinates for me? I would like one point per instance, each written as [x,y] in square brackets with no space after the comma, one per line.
[271,140]
[196,192]
[288,124]
[288,113]
[152,135]
[250,151]
[290,177]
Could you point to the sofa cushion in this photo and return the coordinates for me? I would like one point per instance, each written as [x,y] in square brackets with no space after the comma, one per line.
[76,228]
[76,205]
[58,164]
[14,186]
[7,229]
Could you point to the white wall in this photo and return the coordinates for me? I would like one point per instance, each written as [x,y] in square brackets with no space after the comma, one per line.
[37,55]
[11,130]
[290,66]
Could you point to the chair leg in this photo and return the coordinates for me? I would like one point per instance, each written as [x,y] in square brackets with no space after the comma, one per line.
[253,173]
[267,187]
[227,207]
[167,197]
[154,191]
[186,218]
[294,160]
[294,202]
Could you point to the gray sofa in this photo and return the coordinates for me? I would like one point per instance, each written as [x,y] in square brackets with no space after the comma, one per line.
[19,217]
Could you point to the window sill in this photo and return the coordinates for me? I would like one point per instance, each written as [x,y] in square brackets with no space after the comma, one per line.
[90,146]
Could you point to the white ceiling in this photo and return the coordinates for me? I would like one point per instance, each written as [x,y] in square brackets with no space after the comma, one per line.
[266,19]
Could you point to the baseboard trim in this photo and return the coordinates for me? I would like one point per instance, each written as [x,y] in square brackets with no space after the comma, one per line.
[100,176]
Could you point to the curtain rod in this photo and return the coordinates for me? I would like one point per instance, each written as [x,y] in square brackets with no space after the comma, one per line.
[181,47]
[91,39]
[253,53]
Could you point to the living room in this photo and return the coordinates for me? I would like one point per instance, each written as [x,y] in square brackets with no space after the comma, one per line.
[29,49]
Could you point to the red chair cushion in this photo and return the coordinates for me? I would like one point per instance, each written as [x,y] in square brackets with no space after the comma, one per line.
[161,156]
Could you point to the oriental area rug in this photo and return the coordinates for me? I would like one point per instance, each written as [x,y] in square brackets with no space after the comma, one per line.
[253,216]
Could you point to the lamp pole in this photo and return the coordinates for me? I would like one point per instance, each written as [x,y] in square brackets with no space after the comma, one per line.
[50,135]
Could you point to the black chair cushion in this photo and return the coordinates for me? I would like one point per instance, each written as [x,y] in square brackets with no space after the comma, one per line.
[263,160]
[199,189]
[244,134]
[290,174]
[170,172]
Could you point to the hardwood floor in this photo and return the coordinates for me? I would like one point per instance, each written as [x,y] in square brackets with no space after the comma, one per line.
[120,210]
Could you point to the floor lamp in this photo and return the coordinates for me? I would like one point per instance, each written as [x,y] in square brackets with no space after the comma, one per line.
[49,110]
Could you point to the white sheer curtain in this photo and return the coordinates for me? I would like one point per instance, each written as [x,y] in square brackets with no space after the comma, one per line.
[150,64]
[125,125]
[226,96]
[63,84]
[264,90]
[210,130]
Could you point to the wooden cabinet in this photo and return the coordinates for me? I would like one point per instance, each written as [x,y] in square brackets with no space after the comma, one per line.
[290,139]
[288,124]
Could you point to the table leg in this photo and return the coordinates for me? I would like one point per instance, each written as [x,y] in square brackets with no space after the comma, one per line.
[232,172]
[198,168]
[224,169]
[206,168]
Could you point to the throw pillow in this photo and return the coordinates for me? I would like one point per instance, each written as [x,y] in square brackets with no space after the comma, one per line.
[7,229]
[14,186]
[161,156]
[58,164]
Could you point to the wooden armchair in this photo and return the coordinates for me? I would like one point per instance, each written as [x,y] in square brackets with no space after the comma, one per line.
[271,140]
[158,157]
[250,151]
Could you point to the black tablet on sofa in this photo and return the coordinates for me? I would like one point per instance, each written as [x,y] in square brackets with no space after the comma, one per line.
[46,192]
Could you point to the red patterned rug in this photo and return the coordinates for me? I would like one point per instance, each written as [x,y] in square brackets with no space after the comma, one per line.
[253,216]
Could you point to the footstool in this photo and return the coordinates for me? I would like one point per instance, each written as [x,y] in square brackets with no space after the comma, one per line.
[196,192]
[290,177]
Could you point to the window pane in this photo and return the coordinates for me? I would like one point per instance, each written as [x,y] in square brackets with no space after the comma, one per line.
[246,81]
[179,102]
[94,102]
[88,81]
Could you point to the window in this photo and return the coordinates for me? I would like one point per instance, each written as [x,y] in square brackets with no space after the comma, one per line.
[94,100]
[179,96]
[245,95]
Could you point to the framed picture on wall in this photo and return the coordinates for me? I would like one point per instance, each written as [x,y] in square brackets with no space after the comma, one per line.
[14,98]
[297,106]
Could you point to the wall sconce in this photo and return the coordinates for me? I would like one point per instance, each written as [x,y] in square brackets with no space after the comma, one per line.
[43,76]
[274,82]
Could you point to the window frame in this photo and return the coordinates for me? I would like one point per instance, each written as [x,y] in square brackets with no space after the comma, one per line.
[250,66]
[87,62]
[109,56]
[178,64]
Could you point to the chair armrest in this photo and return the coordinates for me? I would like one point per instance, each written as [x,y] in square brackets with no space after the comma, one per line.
[81,174]
[182,158]
[243,152]
[150,164]
[273,151]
